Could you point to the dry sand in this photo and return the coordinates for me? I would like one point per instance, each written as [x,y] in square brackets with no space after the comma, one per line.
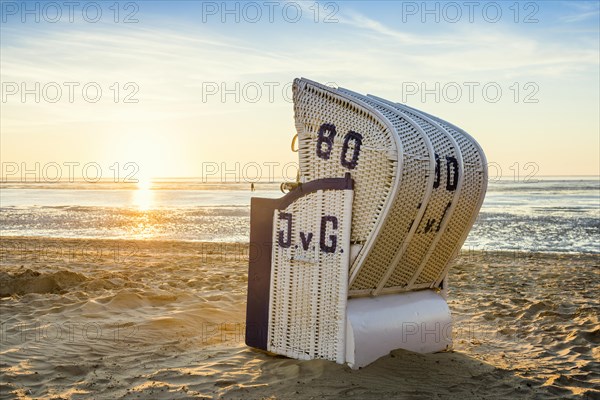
[165,320]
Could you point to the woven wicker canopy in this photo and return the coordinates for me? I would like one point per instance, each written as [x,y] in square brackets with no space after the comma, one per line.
[419,183]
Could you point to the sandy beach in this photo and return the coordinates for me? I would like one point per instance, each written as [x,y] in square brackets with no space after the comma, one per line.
[108,319]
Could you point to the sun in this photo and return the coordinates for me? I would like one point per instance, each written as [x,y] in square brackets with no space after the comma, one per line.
[149,150]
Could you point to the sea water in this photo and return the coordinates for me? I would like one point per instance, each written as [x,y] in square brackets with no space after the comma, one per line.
[549,214]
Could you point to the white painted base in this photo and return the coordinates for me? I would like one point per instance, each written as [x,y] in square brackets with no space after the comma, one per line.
[416,321]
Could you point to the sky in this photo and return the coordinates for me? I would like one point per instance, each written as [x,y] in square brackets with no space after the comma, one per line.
[190,88]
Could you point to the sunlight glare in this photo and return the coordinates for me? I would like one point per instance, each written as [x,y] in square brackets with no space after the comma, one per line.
[143,197]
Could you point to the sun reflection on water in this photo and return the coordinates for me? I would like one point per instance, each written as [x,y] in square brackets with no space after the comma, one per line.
[143,223]
[143,197]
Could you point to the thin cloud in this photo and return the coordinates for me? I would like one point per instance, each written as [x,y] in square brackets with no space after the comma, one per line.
[583,11]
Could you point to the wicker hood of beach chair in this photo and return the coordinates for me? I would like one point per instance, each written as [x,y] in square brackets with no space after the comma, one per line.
[419,183]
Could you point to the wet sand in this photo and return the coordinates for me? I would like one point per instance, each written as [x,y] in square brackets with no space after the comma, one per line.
[165,320]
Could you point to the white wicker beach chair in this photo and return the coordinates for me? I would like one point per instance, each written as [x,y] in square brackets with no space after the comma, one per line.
[417,183]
